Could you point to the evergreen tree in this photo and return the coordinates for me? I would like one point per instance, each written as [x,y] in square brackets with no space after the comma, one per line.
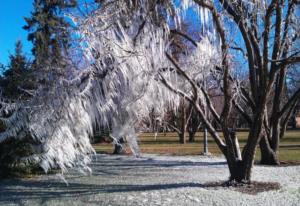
[17,74]
[48,31]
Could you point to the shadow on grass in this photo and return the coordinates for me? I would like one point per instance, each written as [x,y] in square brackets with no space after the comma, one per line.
[45,191]
[16,190]
[42,192]
[42,189]
[121,165]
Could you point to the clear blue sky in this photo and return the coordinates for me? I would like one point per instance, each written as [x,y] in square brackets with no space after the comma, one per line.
[11,23]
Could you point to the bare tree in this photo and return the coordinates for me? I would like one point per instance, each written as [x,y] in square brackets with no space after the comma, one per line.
[271,34]
[264,75]
[178,120]
[194,123]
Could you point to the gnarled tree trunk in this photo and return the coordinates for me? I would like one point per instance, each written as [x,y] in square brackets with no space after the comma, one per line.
[268,155]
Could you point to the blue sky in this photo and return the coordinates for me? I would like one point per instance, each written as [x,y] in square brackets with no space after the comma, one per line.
[11,23]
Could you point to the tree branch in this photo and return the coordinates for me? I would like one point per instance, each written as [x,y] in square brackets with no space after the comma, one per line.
[210,106]
[244,31]
[295,97]
[210,128]
[242,112]
[187,37]
[193,84]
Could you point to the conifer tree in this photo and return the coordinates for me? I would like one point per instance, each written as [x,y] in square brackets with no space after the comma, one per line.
[48,31]
[17,74]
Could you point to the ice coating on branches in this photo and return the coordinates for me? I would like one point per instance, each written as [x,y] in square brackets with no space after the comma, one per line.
[125,44]
[130,52]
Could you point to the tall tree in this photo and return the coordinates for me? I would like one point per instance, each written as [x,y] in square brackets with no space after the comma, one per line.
[272,50]
[48,31]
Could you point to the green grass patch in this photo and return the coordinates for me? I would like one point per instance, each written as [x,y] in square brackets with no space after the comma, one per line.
[168,143]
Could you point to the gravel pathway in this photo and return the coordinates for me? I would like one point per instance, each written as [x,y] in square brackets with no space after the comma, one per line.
[151,180]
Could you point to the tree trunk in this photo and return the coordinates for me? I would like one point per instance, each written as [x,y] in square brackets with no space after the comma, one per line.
[274,143]
[182,125]
[182,138]
[205,147]
[119,147]
[239,168]
[268,156]
[236,145]
[192,136]
[239,172]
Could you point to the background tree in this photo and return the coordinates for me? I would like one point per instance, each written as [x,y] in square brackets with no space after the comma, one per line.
[177,120]
[182,119]
[49,31]
[16,78]
[194,124]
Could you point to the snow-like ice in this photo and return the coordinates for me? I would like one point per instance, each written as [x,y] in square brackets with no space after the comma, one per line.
[151,180]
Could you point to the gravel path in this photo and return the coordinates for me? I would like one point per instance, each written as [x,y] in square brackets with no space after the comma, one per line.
[151,180]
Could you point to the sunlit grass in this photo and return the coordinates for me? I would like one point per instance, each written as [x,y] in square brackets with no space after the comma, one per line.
[168,143]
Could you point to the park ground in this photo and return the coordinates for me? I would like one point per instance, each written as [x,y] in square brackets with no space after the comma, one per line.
[168,144]
[152,180]
[176,175]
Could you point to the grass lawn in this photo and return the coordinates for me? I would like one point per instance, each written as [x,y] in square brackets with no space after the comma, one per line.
[168,144]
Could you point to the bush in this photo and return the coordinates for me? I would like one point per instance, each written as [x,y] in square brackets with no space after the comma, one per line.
[11,162]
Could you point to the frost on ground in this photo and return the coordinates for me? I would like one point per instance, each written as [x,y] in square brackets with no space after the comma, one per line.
[151,180]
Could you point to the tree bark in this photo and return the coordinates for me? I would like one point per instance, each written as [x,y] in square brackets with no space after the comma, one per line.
[238,172]
[236,145]
[182,137]
[182,123]
[249,150]
[268,156]
[192,136]
[205,147]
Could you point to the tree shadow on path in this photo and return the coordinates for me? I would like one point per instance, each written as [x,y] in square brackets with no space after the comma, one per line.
[16,190]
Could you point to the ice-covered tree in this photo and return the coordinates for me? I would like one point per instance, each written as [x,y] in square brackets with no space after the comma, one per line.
[59,117]
[131,69]
[127,45]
